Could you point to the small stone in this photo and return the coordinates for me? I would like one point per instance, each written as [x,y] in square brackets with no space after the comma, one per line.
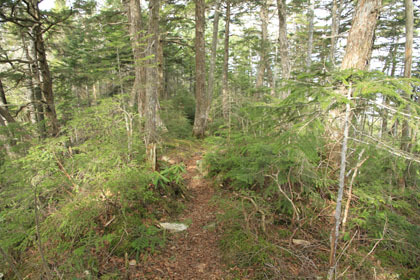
[301,242]
[173,227]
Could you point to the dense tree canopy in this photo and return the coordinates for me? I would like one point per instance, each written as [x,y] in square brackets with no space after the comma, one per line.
[300,108]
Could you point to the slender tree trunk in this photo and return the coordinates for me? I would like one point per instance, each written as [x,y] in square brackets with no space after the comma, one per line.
[152,87]
[384,125]
[385,70]
[30,79]
[225,89]
[4,111]
[120,78]
[406,137]
[405,143]
[391,53]
[39,104]
[47,89]
[311,9]
[283,42]
[409,23]
[336,230]
[264,44]
[270,77]
[200,120]
[359,41]
[210,88]
[137,44]
[335,28]
[6,119]
[161,67]
[359,44]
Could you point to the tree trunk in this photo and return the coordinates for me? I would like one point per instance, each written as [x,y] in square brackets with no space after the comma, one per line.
[310,34]
[30,81]
[392,52]
[283,43]
[335,28]
[39,104]
[5,119]
[264,44]
[359,41]
[4,112]
[136,36]
[161,67]
[152,87]
[270,77]
[409,23]
[200,119]
[210,88]
[336,230]
[408,59]
[225,89]
[47,89]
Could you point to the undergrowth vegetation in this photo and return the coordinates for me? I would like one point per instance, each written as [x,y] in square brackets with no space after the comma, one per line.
[281,163]
[80,204]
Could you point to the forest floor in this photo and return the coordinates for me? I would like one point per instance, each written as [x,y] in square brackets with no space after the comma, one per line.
[194,253]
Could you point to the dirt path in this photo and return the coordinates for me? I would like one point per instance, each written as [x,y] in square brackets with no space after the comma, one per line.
[194,253]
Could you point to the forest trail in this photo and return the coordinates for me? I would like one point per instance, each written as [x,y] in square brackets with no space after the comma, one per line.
[194,253]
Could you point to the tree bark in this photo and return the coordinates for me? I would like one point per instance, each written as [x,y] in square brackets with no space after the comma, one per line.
[406,137]
[391,53]
[225,89]
[359,41]
[408,59]
[210,88]
[39,104]
[136,30]
[152,86]
[357,56]
[335,27]
[336,230]
[161,67]
[283,42]
[47,89]
[409,23]
[263,45]
[200,119]
[4,112]
[30,81]
[310,34]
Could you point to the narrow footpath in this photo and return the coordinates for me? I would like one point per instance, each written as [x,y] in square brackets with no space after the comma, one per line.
[194,253]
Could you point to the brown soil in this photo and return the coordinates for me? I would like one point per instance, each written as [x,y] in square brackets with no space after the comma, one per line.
[194,253]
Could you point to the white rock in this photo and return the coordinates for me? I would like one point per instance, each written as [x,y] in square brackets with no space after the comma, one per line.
[301,242]
[174,227]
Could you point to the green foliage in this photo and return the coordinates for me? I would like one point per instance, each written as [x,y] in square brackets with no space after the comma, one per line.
[146,238]
[178,116]
[170,180]
[97,198]
[284,145]
[240,246]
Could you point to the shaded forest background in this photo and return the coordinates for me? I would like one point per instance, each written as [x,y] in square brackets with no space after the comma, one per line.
[307,111]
